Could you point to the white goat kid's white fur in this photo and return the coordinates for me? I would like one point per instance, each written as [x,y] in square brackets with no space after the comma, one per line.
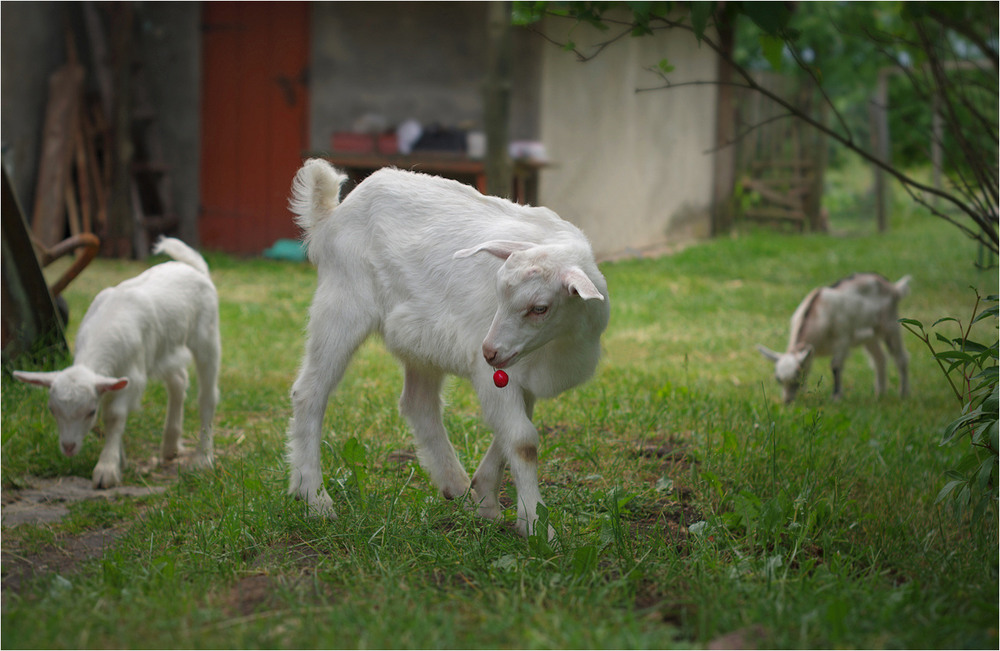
[860,310]
[147,327]
[399,257]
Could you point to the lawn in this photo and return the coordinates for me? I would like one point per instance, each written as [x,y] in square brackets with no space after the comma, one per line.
[690,507]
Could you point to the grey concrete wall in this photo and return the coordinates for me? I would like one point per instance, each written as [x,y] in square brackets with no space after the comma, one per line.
[629,168]
[169,38]
[401,60]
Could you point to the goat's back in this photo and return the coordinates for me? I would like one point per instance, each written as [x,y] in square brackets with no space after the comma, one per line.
[862,301]
[393,210]
[149,315]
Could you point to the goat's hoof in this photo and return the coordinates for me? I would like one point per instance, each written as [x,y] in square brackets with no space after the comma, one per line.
[202,461]
[320,506]
[524,531]
[489,511]
[106,476]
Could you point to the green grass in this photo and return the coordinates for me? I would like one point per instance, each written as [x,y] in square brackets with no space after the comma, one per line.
[814,525]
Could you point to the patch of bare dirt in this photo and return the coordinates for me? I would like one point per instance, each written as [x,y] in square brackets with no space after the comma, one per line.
[60,557]
[44,501]
[41,501]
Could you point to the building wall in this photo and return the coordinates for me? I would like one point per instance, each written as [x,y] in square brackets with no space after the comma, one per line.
[628,168]
[32,46]
[402,60]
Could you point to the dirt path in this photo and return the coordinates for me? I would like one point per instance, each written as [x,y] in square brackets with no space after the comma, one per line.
[47,501]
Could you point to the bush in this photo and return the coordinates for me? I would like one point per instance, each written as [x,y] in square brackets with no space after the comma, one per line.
[971,369]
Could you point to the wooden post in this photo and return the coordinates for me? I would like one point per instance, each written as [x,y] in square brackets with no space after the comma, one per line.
[496,99]
[118,241]
[725,131]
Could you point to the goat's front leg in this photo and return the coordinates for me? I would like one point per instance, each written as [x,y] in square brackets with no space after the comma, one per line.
[837,367]
[486,482]
[108,471]
[517,440]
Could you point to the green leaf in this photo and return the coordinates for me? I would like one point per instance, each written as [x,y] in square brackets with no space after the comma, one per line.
[945,320]
[773,48]
[664,67]
[585,560]
[354,452]
[948,488]
[985,472]
[700,13]
[772,17]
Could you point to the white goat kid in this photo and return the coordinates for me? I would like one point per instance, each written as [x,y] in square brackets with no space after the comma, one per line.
[399,257]
[146,327]
[860,310]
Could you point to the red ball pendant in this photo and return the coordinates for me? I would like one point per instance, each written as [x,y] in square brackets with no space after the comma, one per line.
[500,378]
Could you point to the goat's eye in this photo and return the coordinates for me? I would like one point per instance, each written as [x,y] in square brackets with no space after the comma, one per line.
[538,310]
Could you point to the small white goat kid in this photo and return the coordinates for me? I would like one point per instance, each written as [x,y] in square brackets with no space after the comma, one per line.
[399,257]
[860,310]
[145,327]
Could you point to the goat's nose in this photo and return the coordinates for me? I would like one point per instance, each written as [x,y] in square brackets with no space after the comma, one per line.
[69,449]
[489,353]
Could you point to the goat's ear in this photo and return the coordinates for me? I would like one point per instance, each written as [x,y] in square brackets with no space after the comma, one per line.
[39,379]
[500,248]
[105,384]
[578,283]
[804,354]
[768,353]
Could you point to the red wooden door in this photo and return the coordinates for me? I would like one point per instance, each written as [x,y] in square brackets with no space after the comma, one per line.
[254,121]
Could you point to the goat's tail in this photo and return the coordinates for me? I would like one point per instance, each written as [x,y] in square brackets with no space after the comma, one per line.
[315,193]
[181,252]
[902,286]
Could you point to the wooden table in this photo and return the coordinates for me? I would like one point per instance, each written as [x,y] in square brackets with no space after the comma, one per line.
[456,166]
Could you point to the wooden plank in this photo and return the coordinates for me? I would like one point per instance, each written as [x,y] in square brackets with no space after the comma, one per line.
[48,219]
[82,174]
[776,213]
[791,198]
[29,316]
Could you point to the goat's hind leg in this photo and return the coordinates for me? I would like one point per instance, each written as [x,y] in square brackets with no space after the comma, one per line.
[877,359]
[894,342]
[176,382]
[420,404]
[207,362]
[335,332]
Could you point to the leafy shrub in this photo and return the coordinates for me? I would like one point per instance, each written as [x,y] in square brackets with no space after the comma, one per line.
[971,369]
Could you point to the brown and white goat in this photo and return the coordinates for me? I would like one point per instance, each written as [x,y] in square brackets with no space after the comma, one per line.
[860,310]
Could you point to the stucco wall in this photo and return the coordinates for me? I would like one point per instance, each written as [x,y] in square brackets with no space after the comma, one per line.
[628,168]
